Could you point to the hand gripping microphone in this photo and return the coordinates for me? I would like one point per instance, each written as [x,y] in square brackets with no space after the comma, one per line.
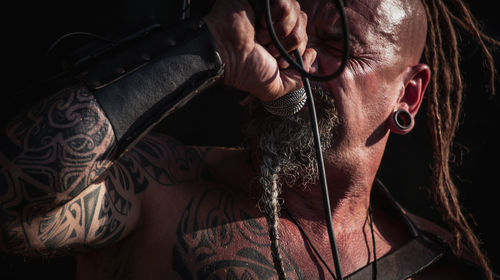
[264,7]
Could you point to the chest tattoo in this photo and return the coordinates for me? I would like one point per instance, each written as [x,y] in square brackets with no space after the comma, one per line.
[216,240]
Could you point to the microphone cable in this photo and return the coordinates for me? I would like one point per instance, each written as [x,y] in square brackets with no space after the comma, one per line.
[299,67]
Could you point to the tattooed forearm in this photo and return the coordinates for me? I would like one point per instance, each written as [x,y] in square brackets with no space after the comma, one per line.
[49,155]
[90,220]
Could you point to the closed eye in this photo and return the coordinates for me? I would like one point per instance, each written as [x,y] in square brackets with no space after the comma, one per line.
[335,48]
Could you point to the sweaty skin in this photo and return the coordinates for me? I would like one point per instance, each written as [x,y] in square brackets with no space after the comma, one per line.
[214,226]
[169,211]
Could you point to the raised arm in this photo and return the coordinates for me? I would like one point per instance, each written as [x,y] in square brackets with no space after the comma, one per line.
[53,154]
[61,186]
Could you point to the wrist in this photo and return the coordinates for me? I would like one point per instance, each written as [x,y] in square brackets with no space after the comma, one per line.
[182,62]
[218,42]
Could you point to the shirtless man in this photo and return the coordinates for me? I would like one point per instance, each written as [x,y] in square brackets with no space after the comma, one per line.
[81,175]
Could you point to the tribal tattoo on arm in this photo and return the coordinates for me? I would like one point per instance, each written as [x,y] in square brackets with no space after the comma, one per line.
[49,156]
[60,189]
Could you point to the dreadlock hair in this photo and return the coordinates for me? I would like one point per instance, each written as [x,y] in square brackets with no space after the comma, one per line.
[444,100]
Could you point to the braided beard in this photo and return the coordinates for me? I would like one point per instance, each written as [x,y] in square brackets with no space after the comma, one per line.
[288,156]
[287,144]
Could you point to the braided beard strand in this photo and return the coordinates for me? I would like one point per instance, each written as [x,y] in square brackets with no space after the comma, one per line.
[288,156]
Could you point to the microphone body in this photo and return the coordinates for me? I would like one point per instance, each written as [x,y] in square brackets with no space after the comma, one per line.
[288,104]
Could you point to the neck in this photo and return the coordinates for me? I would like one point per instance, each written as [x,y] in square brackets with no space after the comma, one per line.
[350,219]
[348,191]
[349,204]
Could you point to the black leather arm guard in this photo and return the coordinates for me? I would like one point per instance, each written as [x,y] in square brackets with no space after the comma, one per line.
[141,84]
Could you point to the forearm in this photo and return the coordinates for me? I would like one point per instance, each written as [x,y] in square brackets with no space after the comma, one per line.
[141,86]
[53,152]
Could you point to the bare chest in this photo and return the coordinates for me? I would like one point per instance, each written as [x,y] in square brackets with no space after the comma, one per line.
[210,237]
[224,241]
[217,236]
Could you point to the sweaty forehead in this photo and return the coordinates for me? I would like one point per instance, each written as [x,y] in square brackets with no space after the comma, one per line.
[375,25]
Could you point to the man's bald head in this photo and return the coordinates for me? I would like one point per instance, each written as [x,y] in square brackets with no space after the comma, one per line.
[412,30]
[402,23]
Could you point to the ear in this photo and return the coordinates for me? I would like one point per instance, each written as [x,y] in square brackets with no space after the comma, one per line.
[415,83]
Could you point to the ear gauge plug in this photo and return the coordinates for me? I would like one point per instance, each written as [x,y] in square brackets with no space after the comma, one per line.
[402,121]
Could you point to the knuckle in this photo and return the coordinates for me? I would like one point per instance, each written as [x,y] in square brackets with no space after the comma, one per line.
[293,41]
[280,32]
[302,43]
[283,30]
[303,16]
[285,6]
[295,38]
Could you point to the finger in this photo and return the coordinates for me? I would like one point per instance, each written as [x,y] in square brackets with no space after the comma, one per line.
[308,58]
[291,79]
[282,63]
[280,8]
[273,50]
[285,16]
[262,36]
[295,40]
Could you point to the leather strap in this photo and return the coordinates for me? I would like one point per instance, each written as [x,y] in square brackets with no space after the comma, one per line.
[413,257]
[423,250]
[410,259]
[147,80]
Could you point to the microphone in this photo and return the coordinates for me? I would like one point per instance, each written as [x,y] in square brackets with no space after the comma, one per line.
[288,104]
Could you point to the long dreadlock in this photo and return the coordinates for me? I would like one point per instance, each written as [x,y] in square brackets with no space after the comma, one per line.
[444,101]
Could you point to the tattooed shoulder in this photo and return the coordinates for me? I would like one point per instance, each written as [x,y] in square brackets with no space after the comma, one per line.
[50,155]
[160,160]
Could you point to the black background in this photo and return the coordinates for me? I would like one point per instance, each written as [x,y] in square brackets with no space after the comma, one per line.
[214,118]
